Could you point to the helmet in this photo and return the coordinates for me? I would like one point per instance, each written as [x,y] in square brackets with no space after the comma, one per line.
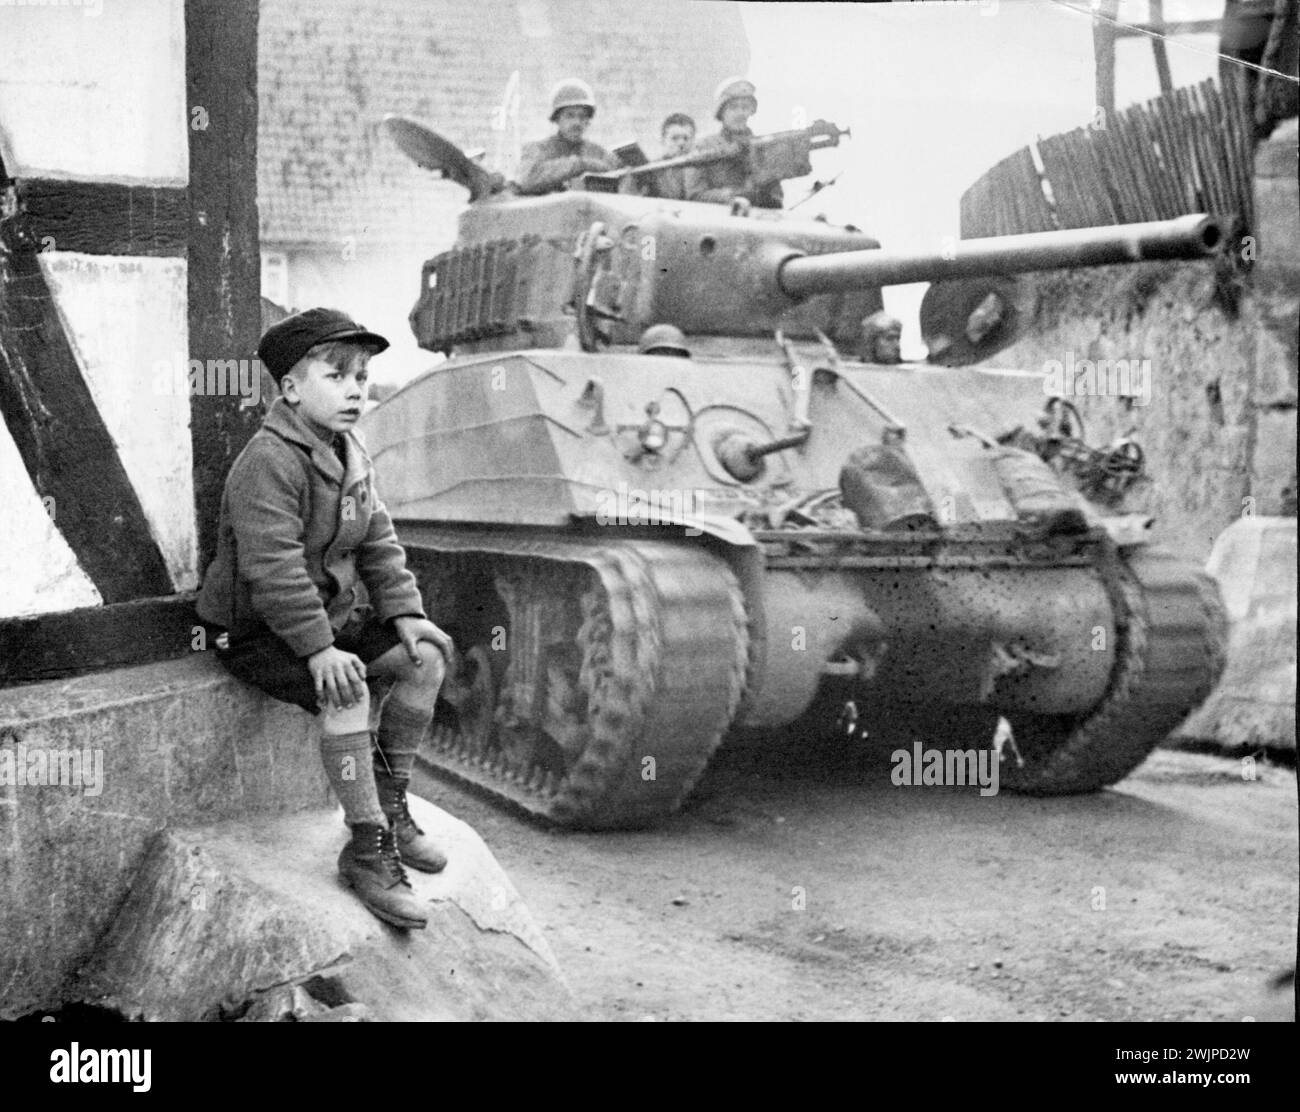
[878,325]
[663,339]
[879,322]
[572,93]
[733,88]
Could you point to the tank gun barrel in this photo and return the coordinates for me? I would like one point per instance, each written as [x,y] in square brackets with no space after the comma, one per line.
[1186,237]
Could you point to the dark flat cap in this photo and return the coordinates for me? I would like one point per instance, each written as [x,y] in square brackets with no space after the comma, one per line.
[287,342]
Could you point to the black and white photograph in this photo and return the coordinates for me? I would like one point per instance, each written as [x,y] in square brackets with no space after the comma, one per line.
[650,511]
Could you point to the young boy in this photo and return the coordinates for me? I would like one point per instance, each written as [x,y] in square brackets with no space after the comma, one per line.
[303,541]
[677,134]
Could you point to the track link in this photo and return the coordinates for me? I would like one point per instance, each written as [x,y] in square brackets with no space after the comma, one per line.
[1172,633]
[594,680]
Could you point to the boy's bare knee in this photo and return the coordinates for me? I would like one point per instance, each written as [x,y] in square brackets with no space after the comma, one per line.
[433,668]
[347,720]
[428,673]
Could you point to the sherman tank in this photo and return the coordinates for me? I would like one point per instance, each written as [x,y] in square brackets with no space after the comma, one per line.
[645,548]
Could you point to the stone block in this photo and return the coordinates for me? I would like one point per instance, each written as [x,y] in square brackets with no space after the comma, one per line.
[249,918]
[177,742]
[1254,563]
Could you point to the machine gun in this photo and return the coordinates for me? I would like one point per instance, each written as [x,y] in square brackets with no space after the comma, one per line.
[772,158]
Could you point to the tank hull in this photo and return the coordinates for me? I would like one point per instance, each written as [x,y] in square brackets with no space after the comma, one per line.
[622,600]
[549,437]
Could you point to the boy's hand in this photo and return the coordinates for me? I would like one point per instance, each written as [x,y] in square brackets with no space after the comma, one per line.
[411,631]
[340,677]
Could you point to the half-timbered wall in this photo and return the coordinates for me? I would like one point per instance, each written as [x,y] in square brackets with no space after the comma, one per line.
[128,258]
[76,120]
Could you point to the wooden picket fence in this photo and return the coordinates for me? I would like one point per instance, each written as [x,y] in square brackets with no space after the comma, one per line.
[1188,151]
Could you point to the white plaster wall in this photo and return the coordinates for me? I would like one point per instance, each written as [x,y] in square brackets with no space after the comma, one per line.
[38,571]
[123,316]
[94,90]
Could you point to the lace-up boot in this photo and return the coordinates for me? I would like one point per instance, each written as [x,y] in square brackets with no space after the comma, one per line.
[418,850]
[371,865]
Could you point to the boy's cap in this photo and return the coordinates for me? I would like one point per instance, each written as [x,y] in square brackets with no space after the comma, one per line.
[285,343]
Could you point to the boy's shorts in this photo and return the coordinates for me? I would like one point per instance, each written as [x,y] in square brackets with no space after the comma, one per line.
[265,661]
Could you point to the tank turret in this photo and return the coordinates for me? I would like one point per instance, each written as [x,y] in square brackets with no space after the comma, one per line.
[607,266]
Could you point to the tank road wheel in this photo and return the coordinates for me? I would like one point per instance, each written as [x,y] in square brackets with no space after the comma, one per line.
[594,682]
[1172,633]
[469,695]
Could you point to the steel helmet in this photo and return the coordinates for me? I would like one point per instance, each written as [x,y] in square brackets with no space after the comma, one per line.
[733,88]
[878,323]
[572,93]
[663,339]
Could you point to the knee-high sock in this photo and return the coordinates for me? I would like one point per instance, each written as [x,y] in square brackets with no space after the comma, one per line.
[348,765]
[401,729]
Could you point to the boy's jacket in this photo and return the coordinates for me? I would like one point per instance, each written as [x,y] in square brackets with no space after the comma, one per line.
[301,543]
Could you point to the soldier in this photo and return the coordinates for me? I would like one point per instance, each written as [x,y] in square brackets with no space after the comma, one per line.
[678,136]
[553,164]
[881,338]
[725,180]
[664,339]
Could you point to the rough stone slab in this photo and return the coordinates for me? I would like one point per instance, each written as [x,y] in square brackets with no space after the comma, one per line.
[225,913]
[182,743]
[1254,562]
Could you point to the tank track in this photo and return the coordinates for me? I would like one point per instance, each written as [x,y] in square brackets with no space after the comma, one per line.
[1172,632]
[578,663]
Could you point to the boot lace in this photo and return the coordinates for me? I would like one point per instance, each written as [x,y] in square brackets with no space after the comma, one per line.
[401,814]
[389,855]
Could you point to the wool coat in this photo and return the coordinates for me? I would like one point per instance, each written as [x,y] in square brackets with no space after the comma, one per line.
[303,540]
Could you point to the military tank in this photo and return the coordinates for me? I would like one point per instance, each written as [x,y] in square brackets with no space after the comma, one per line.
[641,554]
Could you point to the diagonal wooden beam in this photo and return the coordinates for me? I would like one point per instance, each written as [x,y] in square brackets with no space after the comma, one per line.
[63,442]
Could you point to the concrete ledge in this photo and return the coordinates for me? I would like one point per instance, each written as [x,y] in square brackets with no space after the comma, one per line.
[177,743]
[1253,707]
[228,914]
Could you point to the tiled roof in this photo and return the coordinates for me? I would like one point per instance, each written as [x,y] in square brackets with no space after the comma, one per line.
[328,71]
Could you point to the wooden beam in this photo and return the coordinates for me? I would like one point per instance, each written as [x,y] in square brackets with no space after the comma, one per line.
[70,642]
[1182,27]
[1103,50]
[224,254]
[1156,15]
[101,219]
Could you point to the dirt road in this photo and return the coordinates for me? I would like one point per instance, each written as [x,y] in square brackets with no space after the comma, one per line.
[811,888]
